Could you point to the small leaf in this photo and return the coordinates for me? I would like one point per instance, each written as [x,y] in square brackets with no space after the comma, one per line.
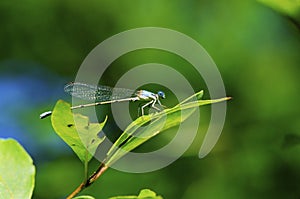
[144,194]
[147,193]
[85,144]
[84,197]
[17,171]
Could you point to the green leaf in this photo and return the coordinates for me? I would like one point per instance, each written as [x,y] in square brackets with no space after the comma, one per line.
[159,122]
[198,96]
[287,7]
[85,144]
[144,194]
[17,171]
[135,125]
[84,197]
[148,193]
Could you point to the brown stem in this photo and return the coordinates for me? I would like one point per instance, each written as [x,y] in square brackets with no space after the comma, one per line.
[96,175]
[89,181]
[76,191]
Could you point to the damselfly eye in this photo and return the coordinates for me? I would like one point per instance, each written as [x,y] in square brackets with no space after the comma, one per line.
[161,94]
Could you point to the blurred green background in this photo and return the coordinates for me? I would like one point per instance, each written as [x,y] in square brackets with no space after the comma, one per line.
[255,45]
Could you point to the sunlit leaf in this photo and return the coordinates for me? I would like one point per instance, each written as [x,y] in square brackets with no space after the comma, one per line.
[17,171]
[147,193]
[135,125]
[85,144]
[144,194]
[134,136]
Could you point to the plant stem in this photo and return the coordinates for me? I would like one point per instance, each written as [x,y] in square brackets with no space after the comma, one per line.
[96,175]
[86,170]
[89,181]
[76,191]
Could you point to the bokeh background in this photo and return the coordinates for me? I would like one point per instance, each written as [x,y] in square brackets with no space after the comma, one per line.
[256,46]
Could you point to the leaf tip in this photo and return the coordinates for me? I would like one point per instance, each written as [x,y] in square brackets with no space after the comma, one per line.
[105,119]
[228,98]
[200,94]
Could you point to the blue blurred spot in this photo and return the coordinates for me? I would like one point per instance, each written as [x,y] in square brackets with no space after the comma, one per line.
[26,91]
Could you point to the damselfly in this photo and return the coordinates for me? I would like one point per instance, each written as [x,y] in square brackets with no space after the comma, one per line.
[106,95]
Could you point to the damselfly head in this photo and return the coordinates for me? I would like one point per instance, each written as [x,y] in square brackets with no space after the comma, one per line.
[161,94]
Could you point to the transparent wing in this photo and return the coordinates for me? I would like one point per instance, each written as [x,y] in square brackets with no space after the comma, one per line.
[97,93]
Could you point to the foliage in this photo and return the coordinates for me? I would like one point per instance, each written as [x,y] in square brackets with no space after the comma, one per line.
[257,53]
[84,145]
[144,194]
[81,135]
[17,171]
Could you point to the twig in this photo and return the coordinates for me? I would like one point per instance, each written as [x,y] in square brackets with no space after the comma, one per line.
[89,181]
